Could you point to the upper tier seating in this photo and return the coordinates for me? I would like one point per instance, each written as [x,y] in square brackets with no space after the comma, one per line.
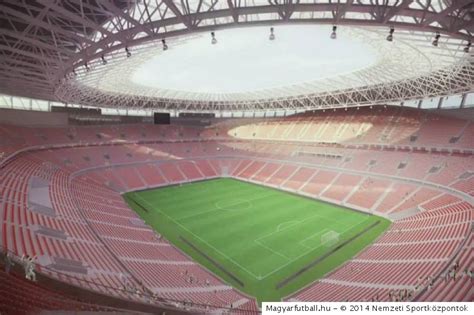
[390,125]
[63,203]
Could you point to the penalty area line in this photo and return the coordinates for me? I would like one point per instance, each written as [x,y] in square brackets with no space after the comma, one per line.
[310,250]
[273,251]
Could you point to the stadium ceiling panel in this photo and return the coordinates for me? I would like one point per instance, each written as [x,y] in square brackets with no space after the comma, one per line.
[78,51]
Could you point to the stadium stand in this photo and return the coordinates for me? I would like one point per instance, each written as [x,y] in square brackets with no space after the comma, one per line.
[202,157]
[61,201]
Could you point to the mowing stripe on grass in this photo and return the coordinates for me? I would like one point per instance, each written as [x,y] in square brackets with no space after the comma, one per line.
[265,235]
[311,249]
[202,240]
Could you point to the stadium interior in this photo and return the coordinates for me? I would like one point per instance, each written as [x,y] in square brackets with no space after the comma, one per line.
[203,157]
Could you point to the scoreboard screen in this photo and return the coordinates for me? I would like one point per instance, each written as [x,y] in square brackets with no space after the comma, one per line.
[162,118]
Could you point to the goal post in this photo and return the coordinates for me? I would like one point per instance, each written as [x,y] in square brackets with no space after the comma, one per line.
[329,238]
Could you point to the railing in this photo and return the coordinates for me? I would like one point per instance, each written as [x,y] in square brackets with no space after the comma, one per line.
[138,301]
[25,296]
[448,265]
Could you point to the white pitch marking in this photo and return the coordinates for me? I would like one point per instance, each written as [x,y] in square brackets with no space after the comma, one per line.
[190,232]
[307,252]
[259,277]
[281,224]
[311,236]
[275,252]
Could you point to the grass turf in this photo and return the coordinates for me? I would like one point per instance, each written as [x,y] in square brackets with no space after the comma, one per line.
[261,235]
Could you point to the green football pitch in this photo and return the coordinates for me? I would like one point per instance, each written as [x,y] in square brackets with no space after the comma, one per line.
[265,242]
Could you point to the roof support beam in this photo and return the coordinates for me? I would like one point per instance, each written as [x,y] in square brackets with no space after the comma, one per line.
[28,54]
[396,10]
[11,70]
[456,5]
[183,19]
[72,16]
[233,10]
[342,11]
[35,42]
[47,26]
[117,12]
[53,36]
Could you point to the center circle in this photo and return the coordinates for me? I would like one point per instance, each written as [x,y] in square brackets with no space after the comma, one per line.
[233,204]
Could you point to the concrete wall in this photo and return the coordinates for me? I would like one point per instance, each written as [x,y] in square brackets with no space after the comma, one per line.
[29,118]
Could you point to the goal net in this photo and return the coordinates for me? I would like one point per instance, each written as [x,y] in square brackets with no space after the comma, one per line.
[330,238]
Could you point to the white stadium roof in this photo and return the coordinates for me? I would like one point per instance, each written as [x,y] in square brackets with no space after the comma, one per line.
[109,53]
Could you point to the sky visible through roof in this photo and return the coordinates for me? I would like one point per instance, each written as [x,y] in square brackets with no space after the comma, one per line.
[245,60]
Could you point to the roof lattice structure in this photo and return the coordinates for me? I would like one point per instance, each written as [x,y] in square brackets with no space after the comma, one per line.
[43,42]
